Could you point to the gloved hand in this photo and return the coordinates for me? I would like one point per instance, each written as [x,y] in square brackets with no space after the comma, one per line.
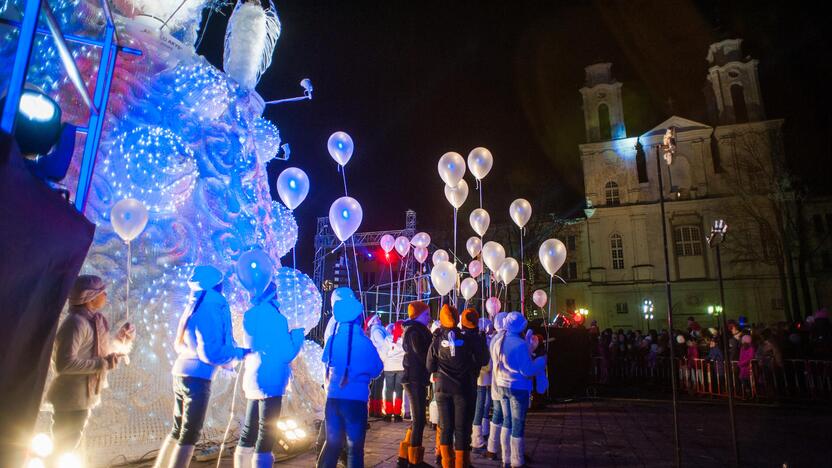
[111,361]
[126,333]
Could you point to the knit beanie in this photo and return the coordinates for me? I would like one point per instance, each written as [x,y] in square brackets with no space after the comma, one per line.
[470,317]
[85,289]
[371,320]
[515,322]
[500,321]
[398,331]
[416,308]
[448,316]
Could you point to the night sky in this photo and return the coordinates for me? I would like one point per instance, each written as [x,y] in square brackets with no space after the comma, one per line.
[410,81]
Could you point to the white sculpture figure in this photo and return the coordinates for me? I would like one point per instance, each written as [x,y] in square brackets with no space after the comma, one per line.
[250,38]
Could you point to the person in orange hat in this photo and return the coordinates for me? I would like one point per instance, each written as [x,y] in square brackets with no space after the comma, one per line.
[416,339]
[453,358]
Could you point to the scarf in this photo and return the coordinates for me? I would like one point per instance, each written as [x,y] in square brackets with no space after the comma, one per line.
[100,344]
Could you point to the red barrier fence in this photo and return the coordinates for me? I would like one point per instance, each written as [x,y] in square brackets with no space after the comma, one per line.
[802,379]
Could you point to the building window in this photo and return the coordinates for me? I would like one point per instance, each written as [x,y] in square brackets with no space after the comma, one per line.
[570,243]
[641,163]
[688,241]
[570,270]
[738,101]
[621,308]
[604,122]
[617,252]
[612,194]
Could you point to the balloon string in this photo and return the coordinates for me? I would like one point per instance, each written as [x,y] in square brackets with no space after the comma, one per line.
[294,260]
[357,272]
[344,176]
[522,275]
[454,253]
[347,263]
[127,285]
[390,266]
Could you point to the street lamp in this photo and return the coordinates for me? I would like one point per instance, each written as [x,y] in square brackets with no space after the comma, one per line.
[647,310]
[583,312]
[715,238]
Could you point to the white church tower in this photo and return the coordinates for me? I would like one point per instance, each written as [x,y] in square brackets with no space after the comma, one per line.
[603,109]
[732,88]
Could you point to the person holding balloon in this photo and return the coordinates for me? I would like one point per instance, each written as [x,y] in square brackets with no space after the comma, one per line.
[469,324]
[379,336]
[204,343]
[393,372]
[481,425]
[267,372]
[351,363]
[517,369]
[83,355]
[416,339]
[493,445]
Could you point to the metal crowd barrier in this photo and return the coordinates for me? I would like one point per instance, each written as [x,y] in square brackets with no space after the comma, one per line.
[801,379]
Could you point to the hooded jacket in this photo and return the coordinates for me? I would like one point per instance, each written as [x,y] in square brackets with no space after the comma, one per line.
[378,336]
[416,341]
[514,366]
[394,357]
[273,347]
[499,331]
[351,359]
[479,343]
[452,357]
[207,340]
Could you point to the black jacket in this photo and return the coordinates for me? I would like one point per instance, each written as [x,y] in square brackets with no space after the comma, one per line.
[480,346]
[454,373]
[416,340]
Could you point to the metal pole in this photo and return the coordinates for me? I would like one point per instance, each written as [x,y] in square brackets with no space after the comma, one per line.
[676,447]
[729,375]
[21,65]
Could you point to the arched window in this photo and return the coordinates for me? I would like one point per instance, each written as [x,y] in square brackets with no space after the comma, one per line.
[604,122]
[738,101]
[612,194]
[617,252]
[688,241]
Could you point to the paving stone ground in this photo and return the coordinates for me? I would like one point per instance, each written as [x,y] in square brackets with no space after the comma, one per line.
[612,433]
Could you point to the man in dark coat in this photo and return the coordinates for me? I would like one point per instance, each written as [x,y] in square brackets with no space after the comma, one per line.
[416,340]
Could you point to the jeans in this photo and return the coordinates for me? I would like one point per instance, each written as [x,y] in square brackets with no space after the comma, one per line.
[393,383]
[344,417]
[260,427]
[190,403]
[68,429]
[377,388]
[515,407]
[417,395]
[483,404]
[453,420]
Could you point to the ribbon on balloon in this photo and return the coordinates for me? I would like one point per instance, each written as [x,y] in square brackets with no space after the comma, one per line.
[128,218]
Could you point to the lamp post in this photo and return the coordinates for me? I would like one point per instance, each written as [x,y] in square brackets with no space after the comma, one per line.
[668,146]
[715,311]
[647,310]
[714,240]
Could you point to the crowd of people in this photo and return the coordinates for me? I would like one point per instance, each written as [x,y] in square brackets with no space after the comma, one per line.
[474,376]
[626,352]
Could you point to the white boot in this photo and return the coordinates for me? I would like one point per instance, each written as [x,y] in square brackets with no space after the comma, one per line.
[505,444]
[262,460]
[494,439]
[518,446]
[242,457]
[476,437]
[181,456]
[163,457]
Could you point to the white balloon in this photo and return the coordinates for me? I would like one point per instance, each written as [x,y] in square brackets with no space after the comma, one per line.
[474,246]
[480,220]
[468,288]
[421,239]
[480,161]
[129,218]
[440,256]
[340,147]
[421,254]
[387,243]
[475,268]
[508,270]
[292,187]
[539,297]
[493,254]
[520,212]
[402,245]
[457,195]
[443,277]
[552,254]
[493,306]
[451,168]
[345,216]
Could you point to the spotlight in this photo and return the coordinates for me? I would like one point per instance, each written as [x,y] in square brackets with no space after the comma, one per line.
[41,445]
[70,460]
[306,84]
[37,124]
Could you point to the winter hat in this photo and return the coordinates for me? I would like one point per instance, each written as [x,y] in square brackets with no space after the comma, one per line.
[85,289]
[448,316]
[341,293]
[346,310]
[470,317]
[371,320]
[500,321]
[515,322]
[205,277]
[398,331]
[416,308]
[746,339]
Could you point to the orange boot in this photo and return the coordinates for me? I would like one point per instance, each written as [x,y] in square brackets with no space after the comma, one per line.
[437,452]
[404,445]
[447,456]
[416,457]
[462,459]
